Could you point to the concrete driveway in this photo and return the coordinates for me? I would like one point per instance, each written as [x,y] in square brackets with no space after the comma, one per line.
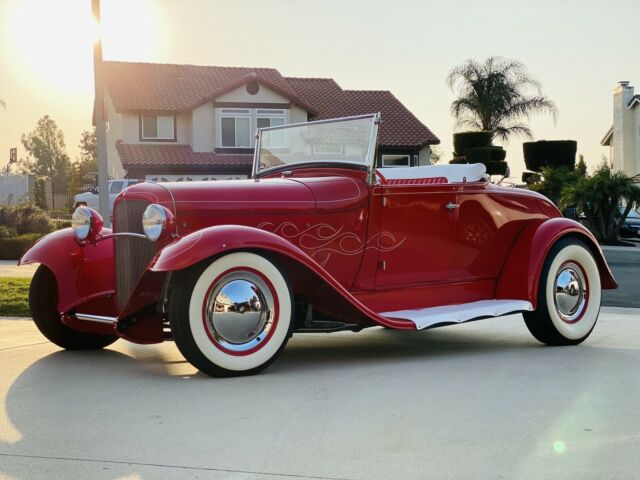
[482,400]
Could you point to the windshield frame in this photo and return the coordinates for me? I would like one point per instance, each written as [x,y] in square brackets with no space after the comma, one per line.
[371,151]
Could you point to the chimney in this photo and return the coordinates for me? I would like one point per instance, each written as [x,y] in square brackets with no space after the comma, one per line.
[623,142]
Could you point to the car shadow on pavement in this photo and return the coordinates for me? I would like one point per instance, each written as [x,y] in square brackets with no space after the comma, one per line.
[127,403]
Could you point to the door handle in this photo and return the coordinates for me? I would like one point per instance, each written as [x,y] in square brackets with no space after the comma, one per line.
[452,206]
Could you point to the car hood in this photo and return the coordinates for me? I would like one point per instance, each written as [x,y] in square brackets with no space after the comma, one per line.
[241,195]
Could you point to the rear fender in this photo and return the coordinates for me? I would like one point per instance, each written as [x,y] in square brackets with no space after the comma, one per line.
[83,272]
[520,276]
[214,241]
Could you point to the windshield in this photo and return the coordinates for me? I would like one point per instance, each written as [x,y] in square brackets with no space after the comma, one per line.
[345,140]
[632,213]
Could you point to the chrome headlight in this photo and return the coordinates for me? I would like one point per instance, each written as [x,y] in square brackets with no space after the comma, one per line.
[81,221]
[154,221]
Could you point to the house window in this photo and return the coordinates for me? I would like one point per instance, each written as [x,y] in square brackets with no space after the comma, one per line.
[396,160]
[272,118]
[328,149]
[157,127]
[235,127]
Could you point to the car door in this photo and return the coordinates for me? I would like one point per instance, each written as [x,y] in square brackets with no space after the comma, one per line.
[415,240]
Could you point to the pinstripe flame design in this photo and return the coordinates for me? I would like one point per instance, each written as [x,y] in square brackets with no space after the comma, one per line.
[324,240]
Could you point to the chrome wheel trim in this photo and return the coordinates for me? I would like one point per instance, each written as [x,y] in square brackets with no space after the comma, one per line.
[570,292]
[239,311]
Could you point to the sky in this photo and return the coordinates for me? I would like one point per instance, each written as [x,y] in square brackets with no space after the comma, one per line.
[578,50]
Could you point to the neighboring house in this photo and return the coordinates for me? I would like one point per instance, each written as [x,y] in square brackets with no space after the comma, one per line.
[187,122]
[623,138]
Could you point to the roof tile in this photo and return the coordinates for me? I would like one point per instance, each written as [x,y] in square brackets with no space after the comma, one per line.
[134,154]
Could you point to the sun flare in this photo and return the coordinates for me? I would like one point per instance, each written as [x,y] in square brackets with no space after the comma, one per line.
[53,41]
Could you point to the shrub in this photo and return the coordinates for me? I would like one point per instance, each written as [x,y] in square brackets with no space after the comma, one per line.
[497,168]
[465,140]
[13,248]
[492,157]
[550,153]
[60,223]
[7,232]
[25,219]
[598,196]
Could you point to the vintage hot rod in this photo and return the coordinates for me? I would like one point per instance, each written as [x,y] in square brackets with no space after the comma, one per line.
[318,240]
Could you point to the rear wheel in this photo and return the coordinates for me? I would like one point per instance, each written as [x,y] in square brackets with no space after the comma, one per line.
[43,300]
[233,316]
[569,295]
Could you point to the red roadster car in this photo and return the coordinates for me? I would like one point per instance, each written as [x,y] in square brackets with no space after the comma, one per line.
[319,240]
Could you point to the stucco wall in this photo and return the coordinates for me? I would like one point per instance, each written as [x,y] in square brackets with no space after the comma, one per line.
[264,95]
[203,128]
[424,155]
[624,144]
[297,114]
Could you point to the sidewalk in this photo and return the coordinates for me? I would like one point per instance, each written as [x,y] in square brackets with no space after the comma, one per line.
[9,268]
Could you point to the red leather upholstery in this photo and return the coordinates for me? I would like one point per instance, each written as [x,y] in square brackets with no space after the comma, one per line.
[415,181]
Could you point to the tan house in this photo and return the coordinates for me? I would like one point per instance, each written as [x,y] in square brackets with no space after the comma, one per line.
[623,138]
[187,122]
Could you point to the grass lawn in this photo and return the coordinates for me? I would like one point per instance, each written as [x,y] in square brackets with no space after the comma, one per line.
[14,297]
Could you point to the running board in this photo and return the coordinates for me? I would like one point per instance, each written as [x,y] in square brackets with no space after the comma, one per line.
[427,317]
[96,318]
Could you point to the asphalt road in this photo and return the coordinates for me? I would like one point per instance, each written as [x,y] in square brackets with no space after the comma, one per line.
[625,264]
[481,400]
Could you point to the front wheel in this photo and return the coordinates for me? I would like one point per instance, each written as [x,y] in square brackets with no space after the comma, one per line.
[233,316]
[43,299]
[569,295]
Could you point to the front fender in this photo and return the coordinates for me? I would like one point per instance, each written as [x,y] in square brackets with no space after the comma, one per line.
[83,272]
[211,241]
[207,242]
[520,276]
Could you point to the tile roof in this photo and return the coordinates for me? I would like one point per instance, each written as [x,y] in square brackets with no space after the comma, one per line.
[155,154]
[177,88]
[151,87]
[399,128]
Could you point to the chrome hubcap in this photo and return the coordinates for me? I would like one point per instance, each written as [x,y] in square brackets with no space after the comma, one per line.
[239,311]
[570,292]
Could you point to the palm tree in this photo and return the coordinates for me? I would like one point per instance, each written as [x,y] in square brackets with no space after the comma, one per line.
[497,95]
[599,197]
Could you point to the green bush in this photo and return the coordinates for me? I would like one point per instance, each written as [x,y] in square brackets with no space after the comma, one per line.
[550,153]
[7,232]
[60,223]
[465,140]
[13,248]
[497,168]
[26,218]
[492,157]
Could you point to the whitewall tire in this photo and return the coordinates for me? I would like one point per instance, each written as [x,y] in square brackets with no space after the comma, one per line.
[232,316]
[569,295]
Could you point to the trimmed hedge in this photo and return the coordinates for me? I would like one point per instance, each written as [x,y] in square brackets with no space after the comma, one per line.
[497,168]
[25,218]
[13,248]
[465,140]
[550,153]
[485,154]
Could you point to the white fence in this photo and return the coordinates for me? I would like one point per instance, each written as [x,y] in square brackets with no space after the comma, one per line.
[16,189]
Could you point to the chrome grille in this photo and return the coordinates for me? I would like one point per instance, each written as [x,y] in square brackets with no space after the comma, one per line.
[132,254]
